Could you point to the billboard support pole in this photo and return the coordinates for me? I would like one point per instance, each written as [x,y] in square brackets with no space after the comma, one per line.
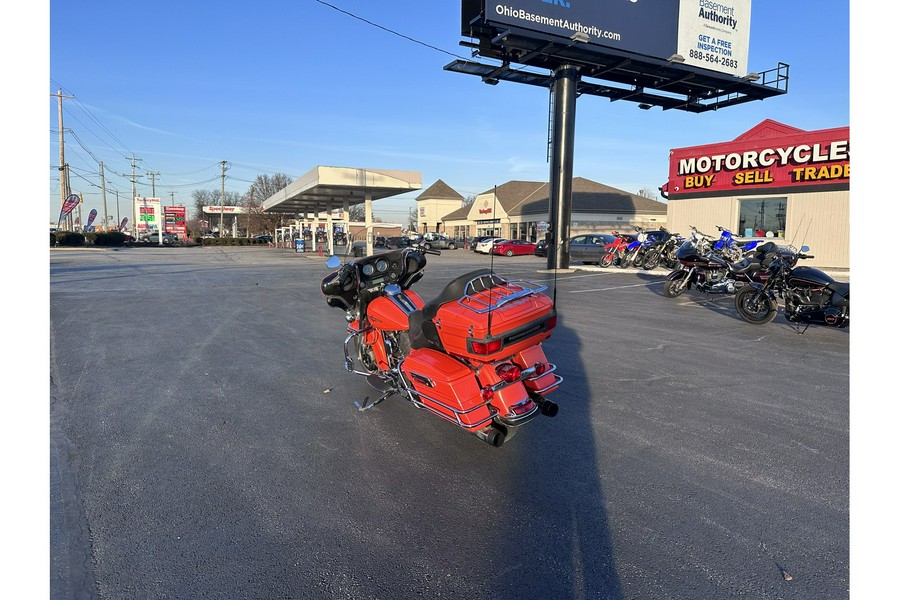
[565,82]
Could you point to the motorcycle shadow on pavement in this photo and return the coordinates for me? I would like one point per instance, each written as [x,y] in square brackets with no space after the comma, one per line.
[527,520]
[553,474]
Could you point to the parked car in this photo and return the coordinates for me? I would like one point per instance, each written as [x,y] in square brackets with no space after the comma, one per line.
[473,241]
[513,247]
[398,242]
[263,237]
[485,245]
[440,242]
[540,249]
[153,238]
[380,241]
[588,248]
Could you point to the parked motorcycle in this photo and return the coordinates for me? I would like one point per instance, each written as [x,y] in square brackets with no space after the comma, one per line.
[613,252]
[661,250]
[810,296]
[472,356]
[729,248]
[701,268]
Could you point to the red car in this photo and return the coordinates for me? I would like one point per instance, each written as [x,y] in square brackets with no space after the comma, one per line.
[513,247]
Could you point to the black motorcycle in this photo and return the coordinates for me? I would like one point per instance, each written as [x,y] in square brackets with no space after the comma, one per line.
[701,268]
[810,296]
[662,252]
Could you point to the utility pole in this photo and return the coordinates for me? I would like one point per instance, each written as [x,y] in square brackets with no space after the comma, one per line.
[133,195]
[172,198]
[63,168]
[103,190]
[153,175]
[222,203]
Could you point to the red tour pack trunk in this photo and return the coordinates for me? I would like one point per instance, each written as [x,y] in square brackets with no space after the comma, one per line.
[495,318]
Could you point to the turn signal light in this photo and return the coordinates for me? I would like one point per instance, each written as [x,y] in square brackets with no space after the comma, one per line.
[508,372]
[486,347]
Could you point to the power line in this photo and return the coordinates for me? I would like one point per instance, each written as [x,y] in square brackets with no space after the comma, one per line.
[398,34]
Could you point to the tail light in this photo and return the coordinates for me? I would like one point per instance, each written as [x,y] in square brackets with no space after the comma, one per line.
[487,394]
[540,368]
[487,347]
[508,372]
[551,322]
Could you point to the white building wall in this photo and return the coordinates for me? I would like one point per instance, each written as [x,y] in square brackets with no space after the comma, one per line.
[820,220]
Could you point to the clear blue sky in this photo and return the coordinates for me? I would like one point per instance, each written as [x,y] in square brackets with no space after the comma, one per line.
[286,86]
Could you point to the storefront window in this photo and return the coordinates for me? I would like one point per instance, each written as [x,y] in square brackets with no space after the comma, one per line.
[760,216]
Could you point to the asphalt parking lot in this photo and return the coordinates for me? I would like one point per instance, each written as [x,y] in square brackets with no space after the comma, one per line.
[205,444]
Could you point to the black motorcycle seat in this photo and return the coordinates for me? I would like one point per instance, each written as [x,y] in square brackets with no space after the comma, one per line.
[422,330]
[423,333]
[745,266]
[455,290]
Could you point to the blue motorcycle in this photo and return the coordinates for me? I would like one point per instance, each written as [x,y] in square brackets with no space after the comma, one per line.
[729,248]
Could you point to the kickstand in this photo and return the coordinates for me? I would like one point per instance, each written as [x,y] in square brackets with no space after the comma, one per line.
[797,329]
[366,405]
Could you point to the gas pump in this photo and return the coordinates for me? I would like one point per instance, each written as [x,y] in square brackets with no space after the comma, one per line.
[321,240]
[339,236]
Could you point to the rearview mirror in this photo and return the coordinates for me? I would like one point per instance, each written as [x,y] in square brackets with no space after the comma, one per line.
[333,262]
[804,249]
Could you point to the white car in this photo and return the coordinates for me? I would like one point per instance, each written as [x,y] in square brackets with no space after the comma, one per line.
[485,246]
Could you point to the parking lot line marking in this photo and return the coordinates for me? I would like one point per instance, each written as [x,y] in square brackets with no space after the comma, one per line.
[619,287]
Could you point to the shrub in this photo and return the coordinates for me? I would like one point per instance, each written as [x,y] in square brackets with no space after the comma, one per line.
[110,238]
[69,238]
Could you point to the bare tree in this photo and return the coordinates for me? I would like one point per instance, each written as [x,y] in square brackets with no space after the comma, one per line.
[260,190]
[413,220]
[648,193]
[358,212]
[469,201]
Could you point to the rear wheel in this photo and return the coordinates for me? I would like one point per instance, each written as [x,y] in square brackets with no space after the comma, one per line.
[509,252]
[451,246]
[673,288]
[754,307]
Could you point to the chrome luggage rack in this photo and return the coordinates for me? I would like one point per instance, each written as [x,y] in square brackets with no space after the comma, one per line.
[506,292]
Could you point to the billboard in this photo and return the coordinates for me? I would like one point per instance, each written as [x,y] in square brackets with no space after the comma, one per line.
[713,34]
[148,215]
[175,219]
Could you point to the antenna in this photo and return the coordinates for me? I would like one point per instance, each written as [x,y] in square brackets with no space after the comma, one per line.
[490,297]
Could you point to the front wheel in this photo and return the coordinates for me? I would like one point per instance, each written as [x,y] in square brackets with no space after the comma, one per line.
[673,288]
[754,307]
[606,259]
[451,246]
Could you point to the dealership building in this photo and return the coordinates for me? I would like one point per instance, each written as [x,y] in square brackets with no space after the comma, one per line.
[773,181]
[521,209]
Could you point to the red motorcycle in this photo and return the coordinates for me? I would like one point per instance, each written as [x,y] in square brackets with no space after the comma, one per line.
[472,356]
[615,250]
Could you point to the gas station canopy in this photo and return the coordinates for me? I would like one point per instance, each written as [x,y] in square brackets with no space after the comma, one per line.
[329,188]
